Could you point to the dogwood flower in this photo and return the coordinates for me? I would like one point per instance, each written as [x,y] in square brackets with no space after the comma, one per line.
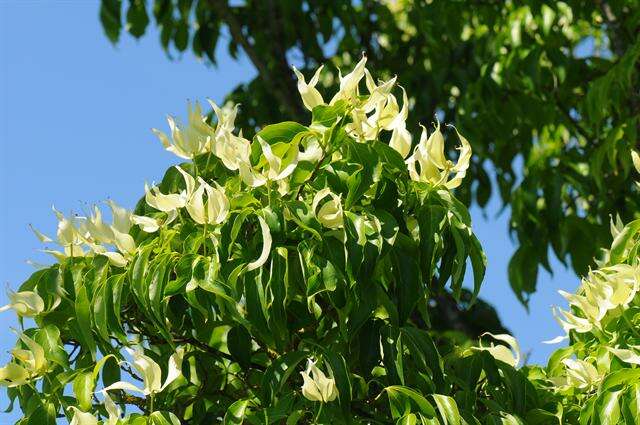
[116,233]
[27,363]
[226,117]
[601,291]
[349,83]
[216,207]
[276,168]
[166,203]
[82,418]
[434,167]
[151,372]
[510,355]
[316,385]
[13,375]
[578,374]
[330,213]
[570,321]
[113,410]
[191,140]
[311,97]
[24,303]
[627,355]
[69,235]
[230,148]
[400,136]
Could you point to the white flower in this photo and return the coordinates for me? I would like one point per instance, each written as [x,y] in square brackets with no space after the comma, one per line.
[277,168]
[400,136]
[349,83]
[151,372]
[226,117]
[569,321]
[627,355]
[266,246]
[311,97]
[113,410]
[510,355]
[601,291]
[434,167]
[316,385]
[82,418]
[28,363]
[24,303]
[580,373]
[13,375]
[216,207]
[330,213]
[187,142]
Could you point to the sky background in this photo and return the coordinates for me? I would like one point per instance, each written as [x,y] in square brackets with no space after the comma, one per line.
[75,120]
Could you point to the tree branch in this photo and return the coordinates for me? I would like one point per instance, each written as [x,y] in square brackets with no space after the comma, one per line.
[205,347]
[283,93]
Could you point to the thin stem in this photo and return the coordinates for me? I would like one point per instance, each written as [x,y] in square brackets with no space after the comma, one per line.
[195,166]
[204,239]
[315,420]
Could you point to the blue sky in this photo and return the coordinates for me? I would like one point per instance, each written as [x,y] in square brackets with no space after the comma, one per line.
[75,120]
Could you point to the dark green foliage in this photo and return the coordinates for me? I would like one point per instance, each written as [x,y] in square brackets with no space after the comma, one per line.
[549,85]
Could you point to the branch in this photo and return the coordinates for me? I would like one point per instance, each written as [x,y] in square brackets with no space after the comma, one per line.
[205,347]
[235,28]
[139,402]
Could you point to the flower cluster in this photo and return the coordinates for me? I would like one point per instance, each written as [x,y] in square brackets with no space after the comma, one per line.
[81,236]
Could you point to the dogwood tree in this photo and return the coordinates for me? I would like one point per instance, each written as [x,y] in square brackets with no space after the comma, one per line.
[287,278]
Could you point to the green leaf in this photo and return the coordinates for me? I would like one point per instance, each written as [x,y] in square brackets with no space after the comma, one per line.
[282,132]
[448,409]
[239,345]
[83,321]
[111,18]
[402,399]
[327,115]
[83,386]
[236,412]
[137,18]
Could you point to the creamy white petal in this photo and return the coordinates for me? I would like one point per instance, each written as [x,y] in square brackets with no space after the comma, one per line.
[266,246]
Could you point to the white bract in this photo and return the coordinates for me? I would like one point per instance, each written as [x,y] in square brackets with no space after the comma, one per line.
[266,246]
[371,113]
[82,236]
[24,303]
[577,374]
[27,364]
[151,372]
[231,149]
[600,292]
[311,97]
[82,418]
[428,162]
[330,213]
[276,168]
[316,385]
[212,211]
[510,355]
[190,140]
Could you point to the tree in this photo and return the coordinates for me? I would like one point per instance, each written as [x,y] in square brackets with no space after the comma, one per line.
[551,85]
[288,279]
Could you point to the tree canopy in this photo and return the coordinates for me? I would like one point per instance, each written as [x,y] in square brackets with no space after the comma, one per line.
[548,92]
[288,278]
[292,269]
